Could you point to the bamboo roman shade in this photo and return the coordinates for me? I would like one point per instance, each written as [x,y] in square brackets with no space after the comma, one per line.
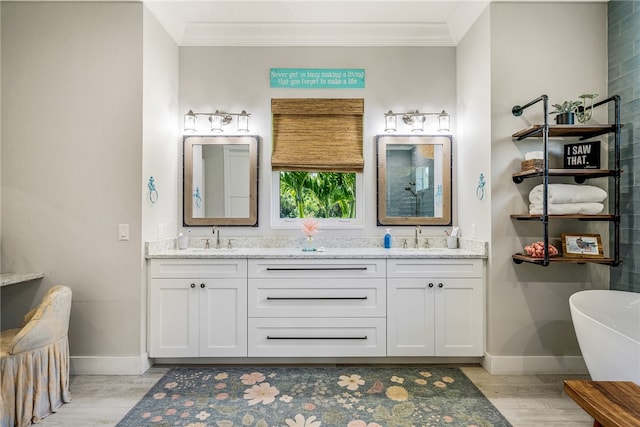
[317,135]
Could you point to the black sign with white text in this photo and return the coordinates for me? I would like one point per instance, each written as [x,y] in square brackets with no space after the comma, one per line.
[583,155]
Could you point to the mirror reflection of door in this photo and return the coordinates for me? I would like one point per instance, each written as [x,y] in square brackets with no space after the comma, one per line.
[221,178]
[236,181]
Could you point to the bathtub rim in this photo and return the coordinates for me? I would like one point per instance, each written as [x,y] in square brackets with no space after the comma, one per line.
[579,294]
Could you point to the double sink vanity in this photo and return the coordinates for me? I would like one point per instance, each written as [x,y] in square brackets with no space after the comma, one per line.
[250,300]
[340,302]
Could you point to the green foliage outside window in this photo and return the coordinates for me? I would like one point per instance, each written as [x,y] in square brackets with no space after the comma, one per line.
[317,195]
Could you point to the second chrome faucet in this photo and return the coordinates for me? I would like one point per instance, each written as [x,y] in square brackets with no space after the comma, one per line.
[217,236]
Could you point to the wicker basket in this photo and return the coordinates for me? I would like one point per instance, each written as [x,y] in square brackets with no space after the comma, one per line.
[531,164]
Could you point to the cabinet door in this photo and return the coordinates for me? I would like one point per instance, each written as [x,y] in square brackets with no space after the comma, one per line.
[410,317]
[459,322]
[223,317]
[173,318]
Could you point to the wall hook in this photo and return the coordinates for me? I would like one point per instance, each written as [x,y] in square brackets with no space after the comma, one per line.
[480,189]
[153,193]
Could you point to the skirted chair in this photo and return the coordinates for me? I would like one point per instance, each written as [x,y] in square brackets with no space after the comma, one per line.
[34,362]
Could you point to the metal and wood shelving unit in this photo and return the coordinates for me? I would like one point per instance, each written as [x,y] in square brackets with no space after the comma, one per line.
[582,133]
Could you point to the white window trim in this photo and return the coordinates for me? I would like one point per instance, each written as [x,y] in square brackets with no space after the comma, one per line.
[325,223]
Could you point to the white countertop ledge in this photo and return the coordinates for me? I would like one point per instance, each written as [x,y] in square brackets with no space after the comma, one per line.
[298,253]
[7,279]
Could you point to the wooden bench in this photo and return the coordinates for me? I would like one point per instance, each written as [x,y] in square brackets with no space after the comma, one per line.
[610,403]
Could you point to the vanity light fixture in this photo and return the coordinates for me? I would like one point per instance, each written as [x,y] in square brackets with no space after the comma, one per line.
[416,120]
[243,121]
[218,120]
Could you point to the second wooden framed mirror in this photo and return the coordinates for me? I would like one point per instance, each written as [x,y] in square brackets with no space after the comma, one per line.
[414,179]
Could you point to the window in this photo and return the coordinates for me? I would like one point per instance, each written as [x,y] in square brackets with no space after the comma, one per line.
[317,162]
[317,195]
[335,198]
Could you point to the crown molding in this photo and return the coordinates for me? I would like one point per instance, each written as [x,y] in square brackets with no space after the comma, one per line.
[319,22]
[316,34]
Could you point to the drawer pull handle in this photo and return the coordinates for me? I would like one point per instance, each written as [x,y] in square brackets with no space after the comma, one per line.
[316,298]
[316,338]
[316,269]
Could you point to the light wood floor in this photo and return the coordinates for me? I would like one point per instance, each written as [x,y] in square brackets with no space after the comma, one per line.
[525,400]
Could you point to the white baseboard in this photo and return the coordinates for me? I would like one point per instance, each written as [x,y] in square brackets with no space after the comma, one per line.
[495,365]
[310,361]
[524,365]
[97,365]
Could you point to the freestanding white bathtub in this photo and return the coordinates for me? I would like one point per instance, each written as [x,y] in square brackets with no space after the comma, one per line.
[607,324]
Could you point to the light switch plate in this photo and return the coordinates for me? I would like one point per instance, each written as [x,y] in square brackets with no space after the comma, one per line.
[123,231]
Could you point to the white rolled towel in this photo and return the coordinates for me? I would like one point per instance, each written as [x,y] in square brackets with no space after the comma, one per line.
[589,208]
[568,193]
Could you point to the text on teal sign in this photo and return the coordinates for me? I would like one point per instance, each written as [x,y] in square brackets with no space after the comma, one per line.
[319,78]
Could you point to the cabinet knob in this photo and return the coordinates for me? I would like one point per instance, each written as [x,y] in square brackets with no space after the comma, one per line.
[431,285]
[193,285]
[440,285]
[202,285]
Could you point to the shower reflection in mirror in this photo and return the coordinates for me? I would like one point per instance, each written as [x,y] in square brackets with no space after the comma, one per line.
[414,180]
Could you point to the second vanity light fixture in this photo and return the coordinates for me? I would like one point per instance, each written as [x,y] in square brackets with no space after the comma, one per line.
[416,120]
[218,120]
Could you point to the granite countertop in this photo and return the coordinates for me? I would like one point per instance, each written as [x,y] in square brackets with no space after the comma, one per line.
[13,278]
[297,253]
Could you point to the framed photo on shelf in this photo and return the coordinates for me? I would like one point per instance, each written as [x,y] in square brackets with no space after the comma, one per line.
[582,245]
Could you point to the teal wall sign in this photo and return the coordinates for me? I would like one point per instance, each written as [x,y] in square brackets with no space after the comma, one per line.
[317,78]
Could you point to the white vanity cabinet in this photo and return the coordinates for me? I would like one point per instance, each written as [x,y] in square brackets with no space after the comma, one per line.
[435,307]
[198,308]
[317,308]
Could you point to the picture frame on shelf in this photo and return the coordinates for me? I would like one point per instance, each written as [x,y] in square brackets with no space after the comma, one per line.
[582,245]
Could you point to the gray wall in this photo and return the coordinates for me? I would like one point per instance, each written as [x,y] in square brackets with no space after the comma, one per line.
[78,147]
[528,304]
[400,79]
[161,144]
[624,80]
[472,140]
[161,131]
[71,164]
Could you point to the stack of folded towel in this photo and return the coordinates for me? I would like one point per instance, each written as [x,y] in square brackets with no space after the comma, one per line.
[565,199]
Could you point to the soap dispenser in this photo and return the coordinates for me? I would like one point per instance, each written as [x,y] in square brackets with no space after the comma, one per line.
[387,239]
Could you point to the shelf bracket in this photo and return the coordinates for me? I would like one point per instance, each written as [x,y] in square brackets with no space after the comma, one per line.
[517,110]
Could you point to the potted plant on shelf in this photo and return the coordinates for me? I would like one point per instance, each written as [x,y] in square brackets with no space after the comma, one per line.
[566,112]
[585,109]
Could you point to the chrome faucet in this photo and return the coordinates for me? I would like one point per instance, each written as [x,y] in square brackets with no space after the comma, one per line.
[217,237]
[415,241]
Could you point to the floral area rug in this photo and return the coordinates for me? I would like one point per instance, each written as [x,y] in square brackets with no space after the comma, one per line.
[347,396]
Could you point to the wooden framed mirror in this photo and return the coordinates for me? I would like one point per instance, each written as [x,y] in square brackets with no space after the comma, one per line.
[414,179]
[220,180]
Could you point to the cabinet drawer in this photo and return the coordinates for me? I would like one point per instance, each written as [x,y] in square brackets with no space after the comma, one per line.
[329,268]
[430,268]
[312,337]
[316,297]
[198,268]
